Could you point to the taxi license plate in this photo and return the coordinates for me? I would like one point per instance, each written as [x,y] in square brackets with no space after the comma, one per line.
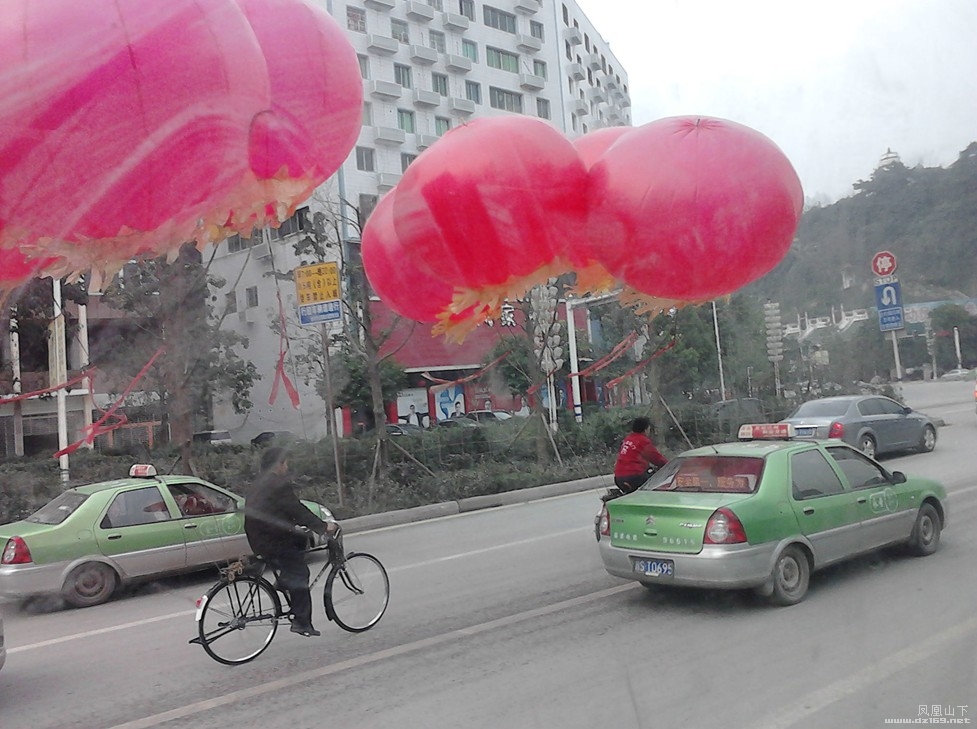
[804,431]
[655,567]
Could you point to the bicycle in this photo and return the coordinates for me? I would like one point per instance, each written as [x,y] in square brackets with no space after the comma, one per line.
[238,617]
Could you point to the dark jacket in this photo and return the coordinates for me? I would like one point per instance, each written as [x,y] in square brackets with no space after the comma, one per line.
[272,512]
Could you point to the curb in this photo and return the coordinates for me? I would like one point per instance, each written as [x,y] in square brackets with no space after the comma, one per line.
[472,503]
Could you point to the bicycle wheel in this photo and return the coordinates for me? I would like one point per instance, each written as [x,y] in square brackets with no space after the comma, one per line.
[357,592]
[238,619]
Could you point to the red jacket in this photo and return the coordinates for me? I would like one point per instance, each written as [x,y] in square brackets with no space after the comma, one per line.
[637,451]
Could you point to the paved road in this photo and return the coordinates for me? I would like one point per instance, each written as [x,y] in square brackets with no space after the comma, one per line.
[504,617]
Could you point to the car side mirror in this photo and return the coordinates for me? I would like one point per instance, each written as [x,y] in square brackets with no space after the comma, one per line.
[898,477]
[907,410]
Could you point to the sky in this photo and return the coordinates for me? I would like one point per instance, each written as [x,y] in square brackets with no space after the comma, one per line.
[834,83]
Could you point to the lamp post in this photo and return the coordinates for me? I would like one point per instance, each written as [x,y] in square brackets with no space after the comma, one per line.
[572,347]
[719,353]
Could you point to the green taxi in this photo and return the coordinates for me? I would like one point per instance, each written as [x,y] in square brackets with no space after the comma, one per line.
[91,539]
[764,513]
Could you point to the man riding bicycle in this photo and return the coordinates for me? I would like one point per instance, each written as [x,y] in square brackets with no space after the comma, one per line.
[273,517]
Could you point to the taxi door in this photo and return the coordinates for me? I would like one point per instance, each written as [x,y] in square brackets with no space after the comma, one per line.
[826,510]
[140,534]
[213,523]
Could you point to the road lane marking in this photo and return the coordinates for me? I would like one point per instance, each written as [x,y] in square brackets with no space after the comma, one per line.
[392,570]
[806,706]
[317,673]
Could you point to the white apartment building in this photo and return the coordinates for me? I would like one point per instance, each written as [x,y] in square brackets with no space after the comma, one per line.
[427,66]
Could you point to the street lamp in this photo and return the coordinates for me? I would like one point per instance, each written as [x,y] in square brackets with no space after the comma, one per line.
[572,347]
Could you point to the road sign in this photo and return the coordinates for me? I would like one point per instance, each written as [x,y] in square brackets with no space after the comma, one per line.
[317,289]
[884,263]
[888,300]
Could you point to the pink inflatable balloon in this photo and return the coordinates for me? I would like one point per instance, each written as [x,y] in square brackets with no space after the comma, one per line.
[401,285]
[692,208]
[129,127]
[491,207]
[592,145]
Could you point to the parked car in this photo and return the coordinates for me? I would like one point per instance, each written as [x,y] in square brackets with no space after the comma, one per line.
[403,429]
[764,513]
[872,423]
[488,416]
[461,422]
[91,539]
[272,437]
[959,374]
[213,437]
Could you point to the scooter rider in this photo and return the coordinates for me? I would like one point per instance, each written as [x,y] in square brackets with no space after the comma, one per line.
[636,456]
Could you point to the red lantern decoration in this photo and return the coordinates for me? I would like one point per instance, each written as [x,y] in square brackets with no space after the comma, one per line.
[129,127]
[400,284]
[490,209]
[692,208]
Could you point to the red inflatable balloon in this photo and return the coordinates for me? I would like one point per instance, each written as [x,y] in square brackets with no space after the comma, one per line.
[129,127]
[592,145]
[692,208]
[491,208]
[401,285]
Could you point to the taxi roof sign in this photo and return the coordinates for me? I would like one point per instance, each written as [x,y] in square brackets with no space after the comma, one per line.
[766,431]
[142,470]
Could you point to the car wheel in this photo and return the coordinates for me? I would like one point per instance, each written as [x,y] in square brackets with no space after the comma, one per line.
[866,444]
[791,576]
[927,441]
[89,584]
[925,537]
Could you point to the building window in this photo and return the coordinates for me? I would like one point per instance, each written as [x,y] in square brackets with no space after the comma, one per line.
[436,40]
[473,91]
[536,29]
[402,76]
[441,125]
[539,68]
[497,58]
[573,122]
[405,160]
[469,49]
[251,295]
[241,243]
[364,62]
[566,15]
[436,4]
[543,108]
[569,50]
[467,8]
[356,19]
[230,302]
[364,159]
[367,114]
[495,18]
[586,42]
[406,120]
[293,225]
[506,100]
[367,203]
[399,30]
[439,83]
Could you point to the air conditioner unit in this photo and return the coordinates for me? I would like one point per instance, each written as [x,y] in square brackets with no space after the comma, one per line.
[262,250]
[247,316]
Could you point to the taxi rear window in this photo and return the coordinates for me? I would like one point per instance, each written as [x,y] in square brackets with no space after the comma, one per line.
[58,509]
[711,474]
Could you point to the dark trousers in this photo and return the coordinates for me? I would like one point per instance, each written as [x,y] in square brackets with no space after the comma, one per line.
[294,577]
[627,484]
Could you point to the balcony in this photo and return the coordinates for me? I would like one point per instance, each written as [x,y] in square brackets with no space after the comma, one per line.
[462,106]
[579,107]
[611,84]
[531,81]
[576,72]
[381,4]
[423,97]
[384,89]
[423,54]
[387,180]
[593,62]
[389,135]
[419,11]
[456,21]
[528,43]
[596,94]
[426,140]
[527,7]
[382,44]
[458,63]
[573,36]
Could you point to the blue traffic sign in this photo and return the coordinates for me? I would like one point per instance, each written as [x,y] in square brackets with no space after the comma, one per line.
[320,313]
[888,300]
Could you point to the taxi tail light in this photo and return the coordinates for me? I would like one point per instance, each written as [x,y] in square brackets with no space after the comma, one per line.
[16,552]
[604,522]
[724,527]
[837,430]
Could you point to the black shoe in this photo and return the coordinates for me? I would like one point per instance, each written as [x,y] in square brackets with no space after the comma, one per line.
[307,630]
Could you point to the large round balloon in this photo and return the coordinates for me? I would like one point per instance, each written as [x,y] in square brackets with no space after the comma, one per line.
[399,283]
[491,208]
[692,208]
[129,127]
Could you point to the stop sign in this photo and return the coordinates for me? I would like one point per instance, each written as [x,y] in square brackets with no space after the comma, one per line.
[884,263]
